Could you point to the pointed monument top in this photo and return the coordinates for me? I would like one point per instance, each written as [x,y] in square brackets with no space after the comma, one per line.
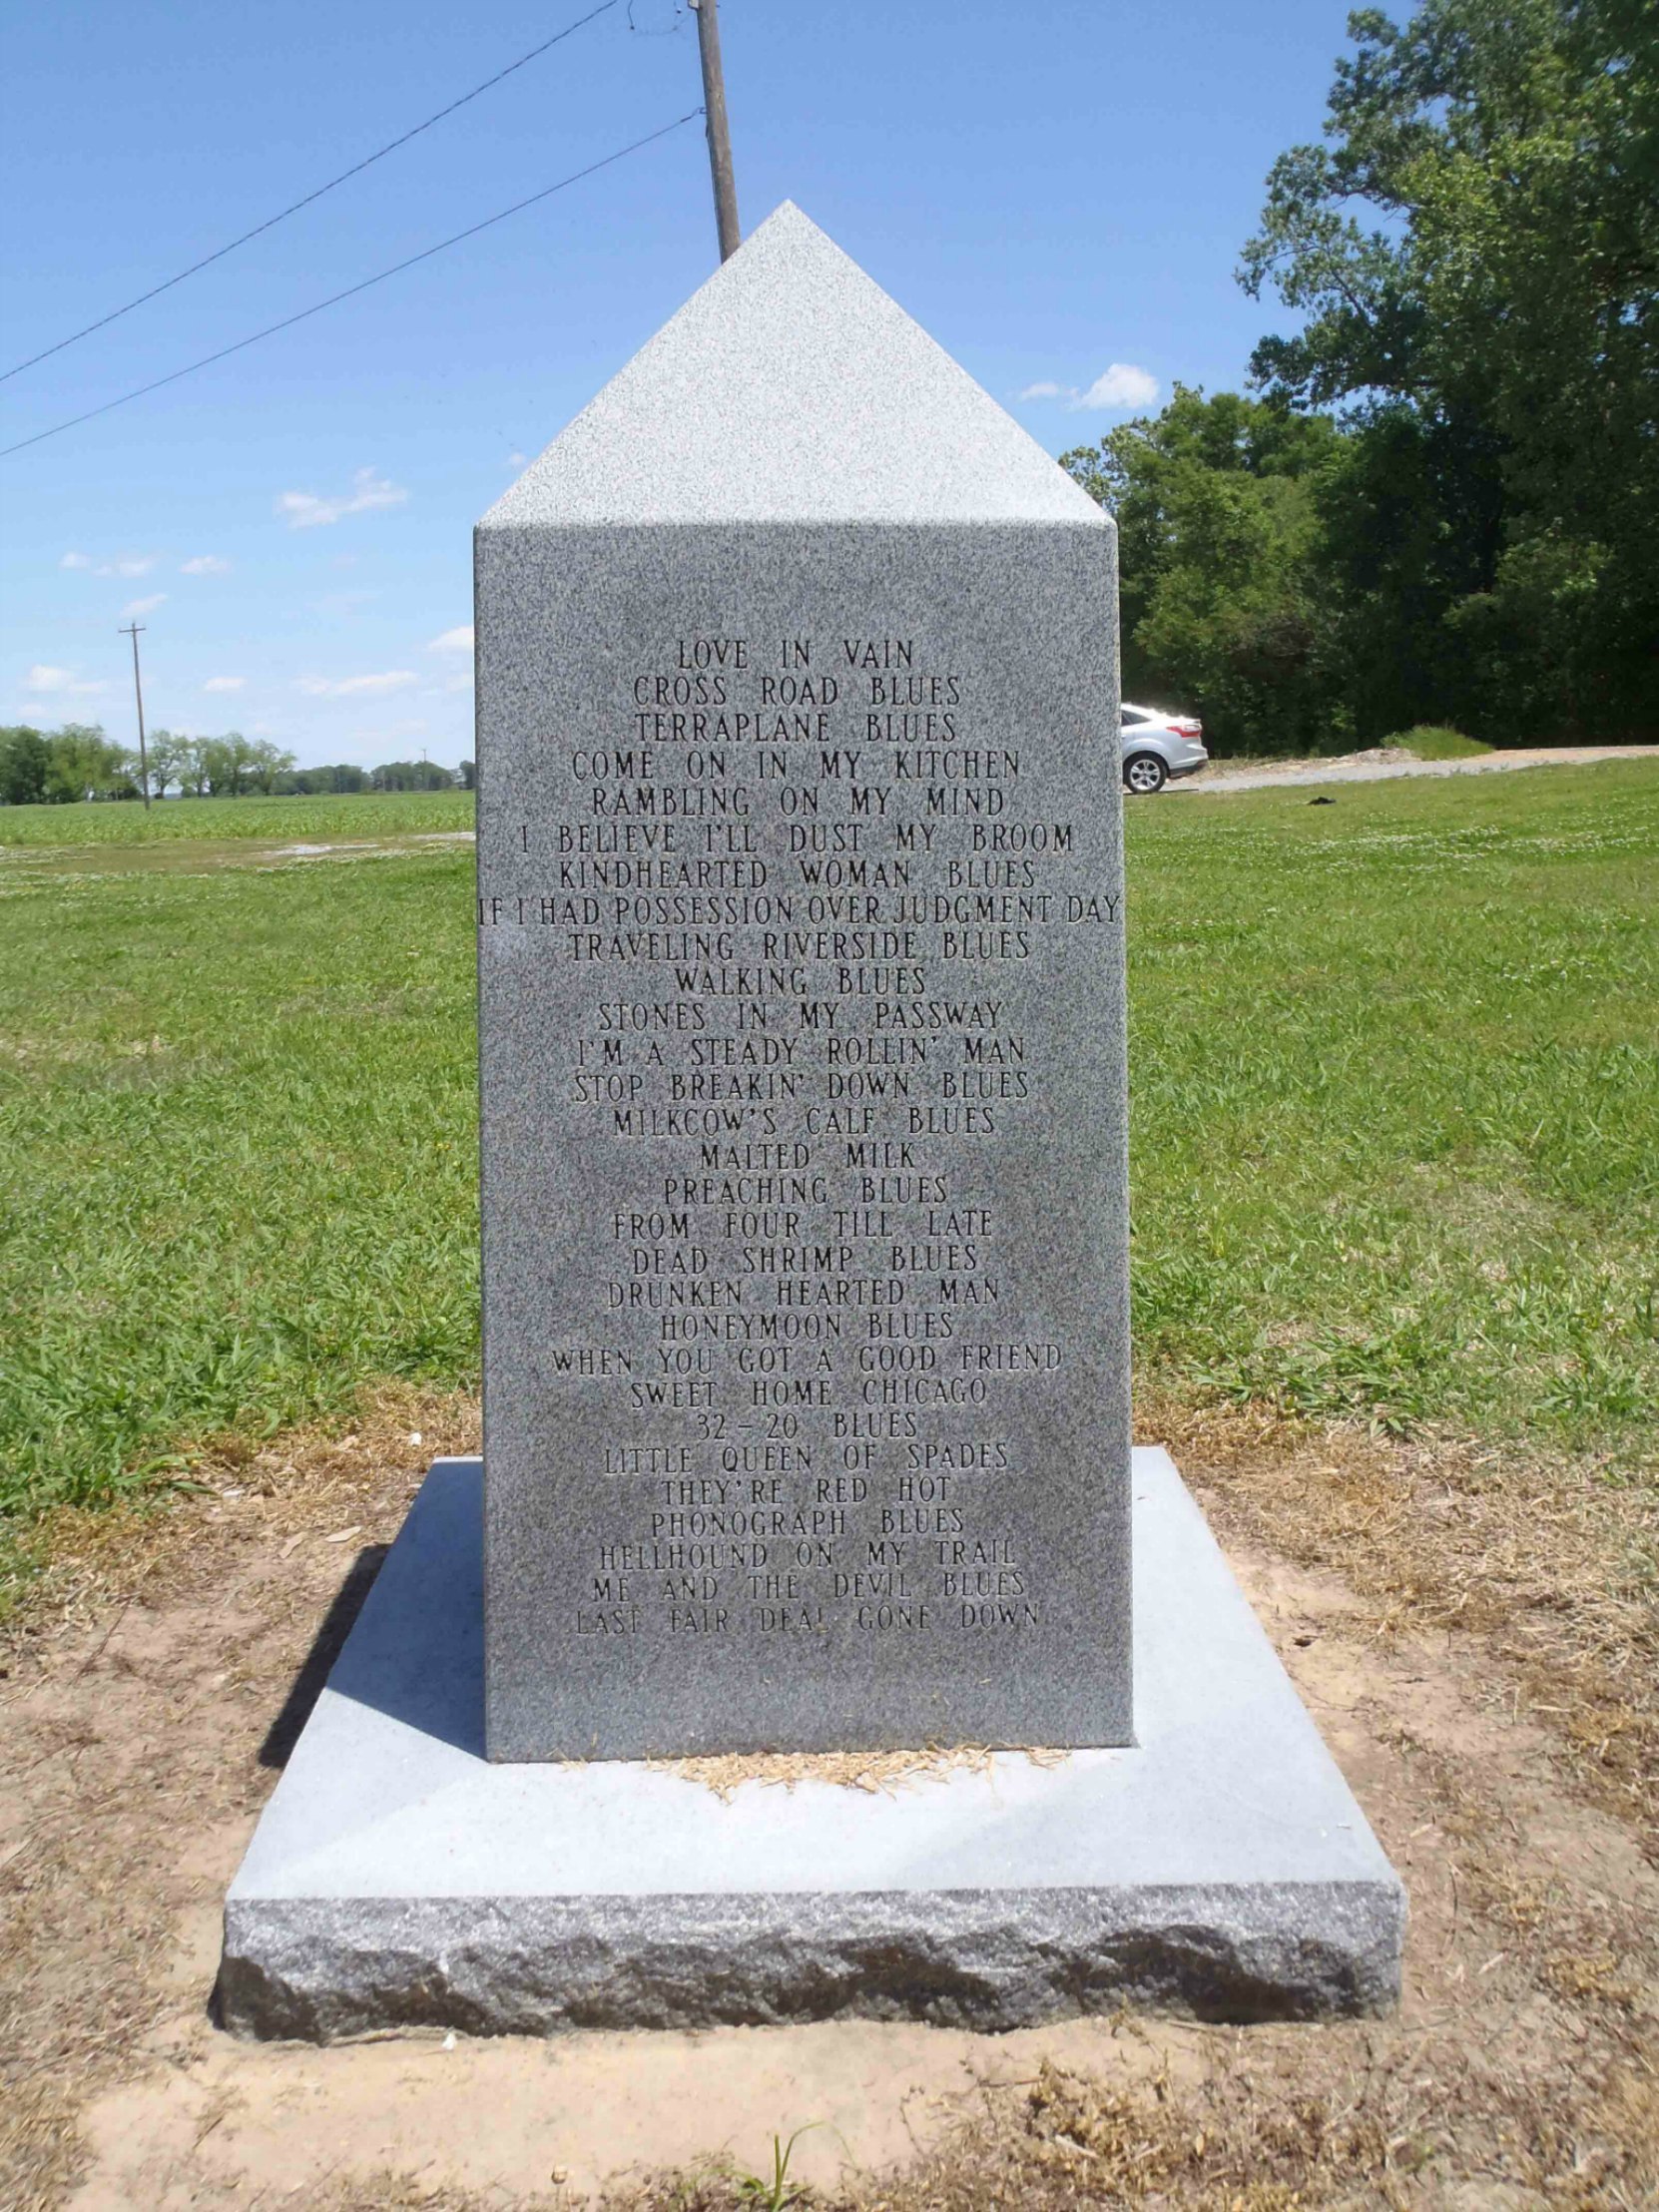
[791,388]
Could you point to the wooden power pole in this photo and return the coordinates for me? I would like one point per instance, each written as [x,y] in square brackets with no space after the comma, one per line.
[132,631]
[720,137]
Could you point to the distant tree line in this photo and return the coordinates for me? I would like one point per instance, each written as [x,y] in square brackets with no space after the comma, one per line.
[78,762]
[1441,502]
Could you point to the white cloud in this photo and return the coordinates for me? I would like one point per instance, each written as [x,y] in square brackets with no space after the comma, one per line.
[43,679]
[144,606]
[205,564]
[358,687]
[303,510]
[1122,386]
[224,683]
[458,640]
[518,460]
[130,564]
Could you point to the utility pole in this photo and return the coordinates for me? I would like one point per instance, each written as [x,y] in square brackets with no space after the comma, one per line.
[132,631]
[719,138]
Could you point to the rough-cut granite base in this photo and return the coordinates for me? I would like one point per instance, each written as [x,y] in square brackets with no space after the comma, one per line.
[397,1877]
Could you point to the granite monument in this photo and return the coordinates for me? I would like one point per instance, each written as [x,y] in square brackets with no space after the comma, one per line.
[801,1022]
[805,1197]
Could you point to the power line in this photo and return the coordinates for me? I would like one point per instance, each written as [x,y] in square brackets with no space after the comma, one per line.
[356,170]
[352,291]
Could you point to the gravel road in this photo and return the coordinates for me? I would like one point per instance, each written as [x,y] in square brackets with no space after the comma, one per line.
[1222,777]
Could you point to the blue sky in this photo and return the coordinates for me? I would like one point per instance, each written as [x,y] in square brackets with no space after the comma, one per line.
[1058,192]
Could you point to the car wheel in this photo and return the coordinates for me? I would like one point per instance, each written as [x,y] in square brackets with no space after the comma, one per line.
[1145,772]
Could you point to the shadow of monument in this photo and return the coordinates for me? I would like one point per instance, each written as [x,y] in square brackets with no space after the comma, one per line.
[327,1645]
[407,1640]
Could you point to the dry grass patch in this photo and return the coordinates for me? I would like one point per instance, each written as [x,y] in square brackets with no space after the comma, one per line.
[1253,2144]
[1551,1565]
[152,1625]
[157,1656]
[883,1772]
[305,1484]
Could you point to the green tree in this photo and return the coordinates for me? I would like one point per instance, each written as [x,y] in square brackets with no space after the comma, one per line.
[228,764]
[412,775]
[1475,251]
[84,763]
[167,758]
[1410,519]
[344,778]
[188,767]
[25,759]
[1219,525]
[265,763]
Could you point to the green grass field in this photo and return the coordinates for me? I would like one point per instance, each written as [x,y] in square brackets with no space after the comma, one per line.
[1395,1121]
[370,815]
[1394,1069]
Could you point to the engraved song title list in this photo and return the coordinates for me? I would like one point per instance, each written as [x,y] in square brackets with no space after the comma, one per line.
[801,964]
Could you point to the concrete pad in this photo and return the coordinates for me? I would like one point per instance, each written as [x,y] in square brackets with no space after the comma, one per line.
[1220,1867]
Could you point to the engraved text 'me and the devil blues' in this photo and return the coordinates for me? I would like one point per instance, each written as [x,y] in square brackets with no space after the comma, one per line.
[801,952]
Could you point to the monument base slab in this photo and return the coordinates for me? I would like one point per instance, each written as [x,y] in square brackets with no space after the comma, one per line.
[1218,1868]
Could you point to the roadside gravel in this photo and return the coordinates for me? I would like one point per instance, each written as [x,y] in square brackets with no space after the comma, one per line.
[1223,776]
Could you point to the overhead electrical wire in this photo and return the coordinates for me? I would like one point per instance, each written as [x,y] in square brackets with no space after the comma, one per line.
[356,170]
[352,291]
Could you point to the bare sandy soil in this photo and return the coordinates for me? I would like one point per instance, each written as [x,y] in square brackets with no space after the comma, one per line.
[1384,763]
[160,1675]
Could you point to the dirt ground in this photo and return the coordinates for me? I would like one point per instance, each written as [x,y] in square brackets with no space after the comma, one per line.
[1488,1687]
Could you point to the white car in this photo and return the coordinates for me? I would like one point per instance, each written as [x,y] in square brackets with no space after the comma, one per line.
[1158,746]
